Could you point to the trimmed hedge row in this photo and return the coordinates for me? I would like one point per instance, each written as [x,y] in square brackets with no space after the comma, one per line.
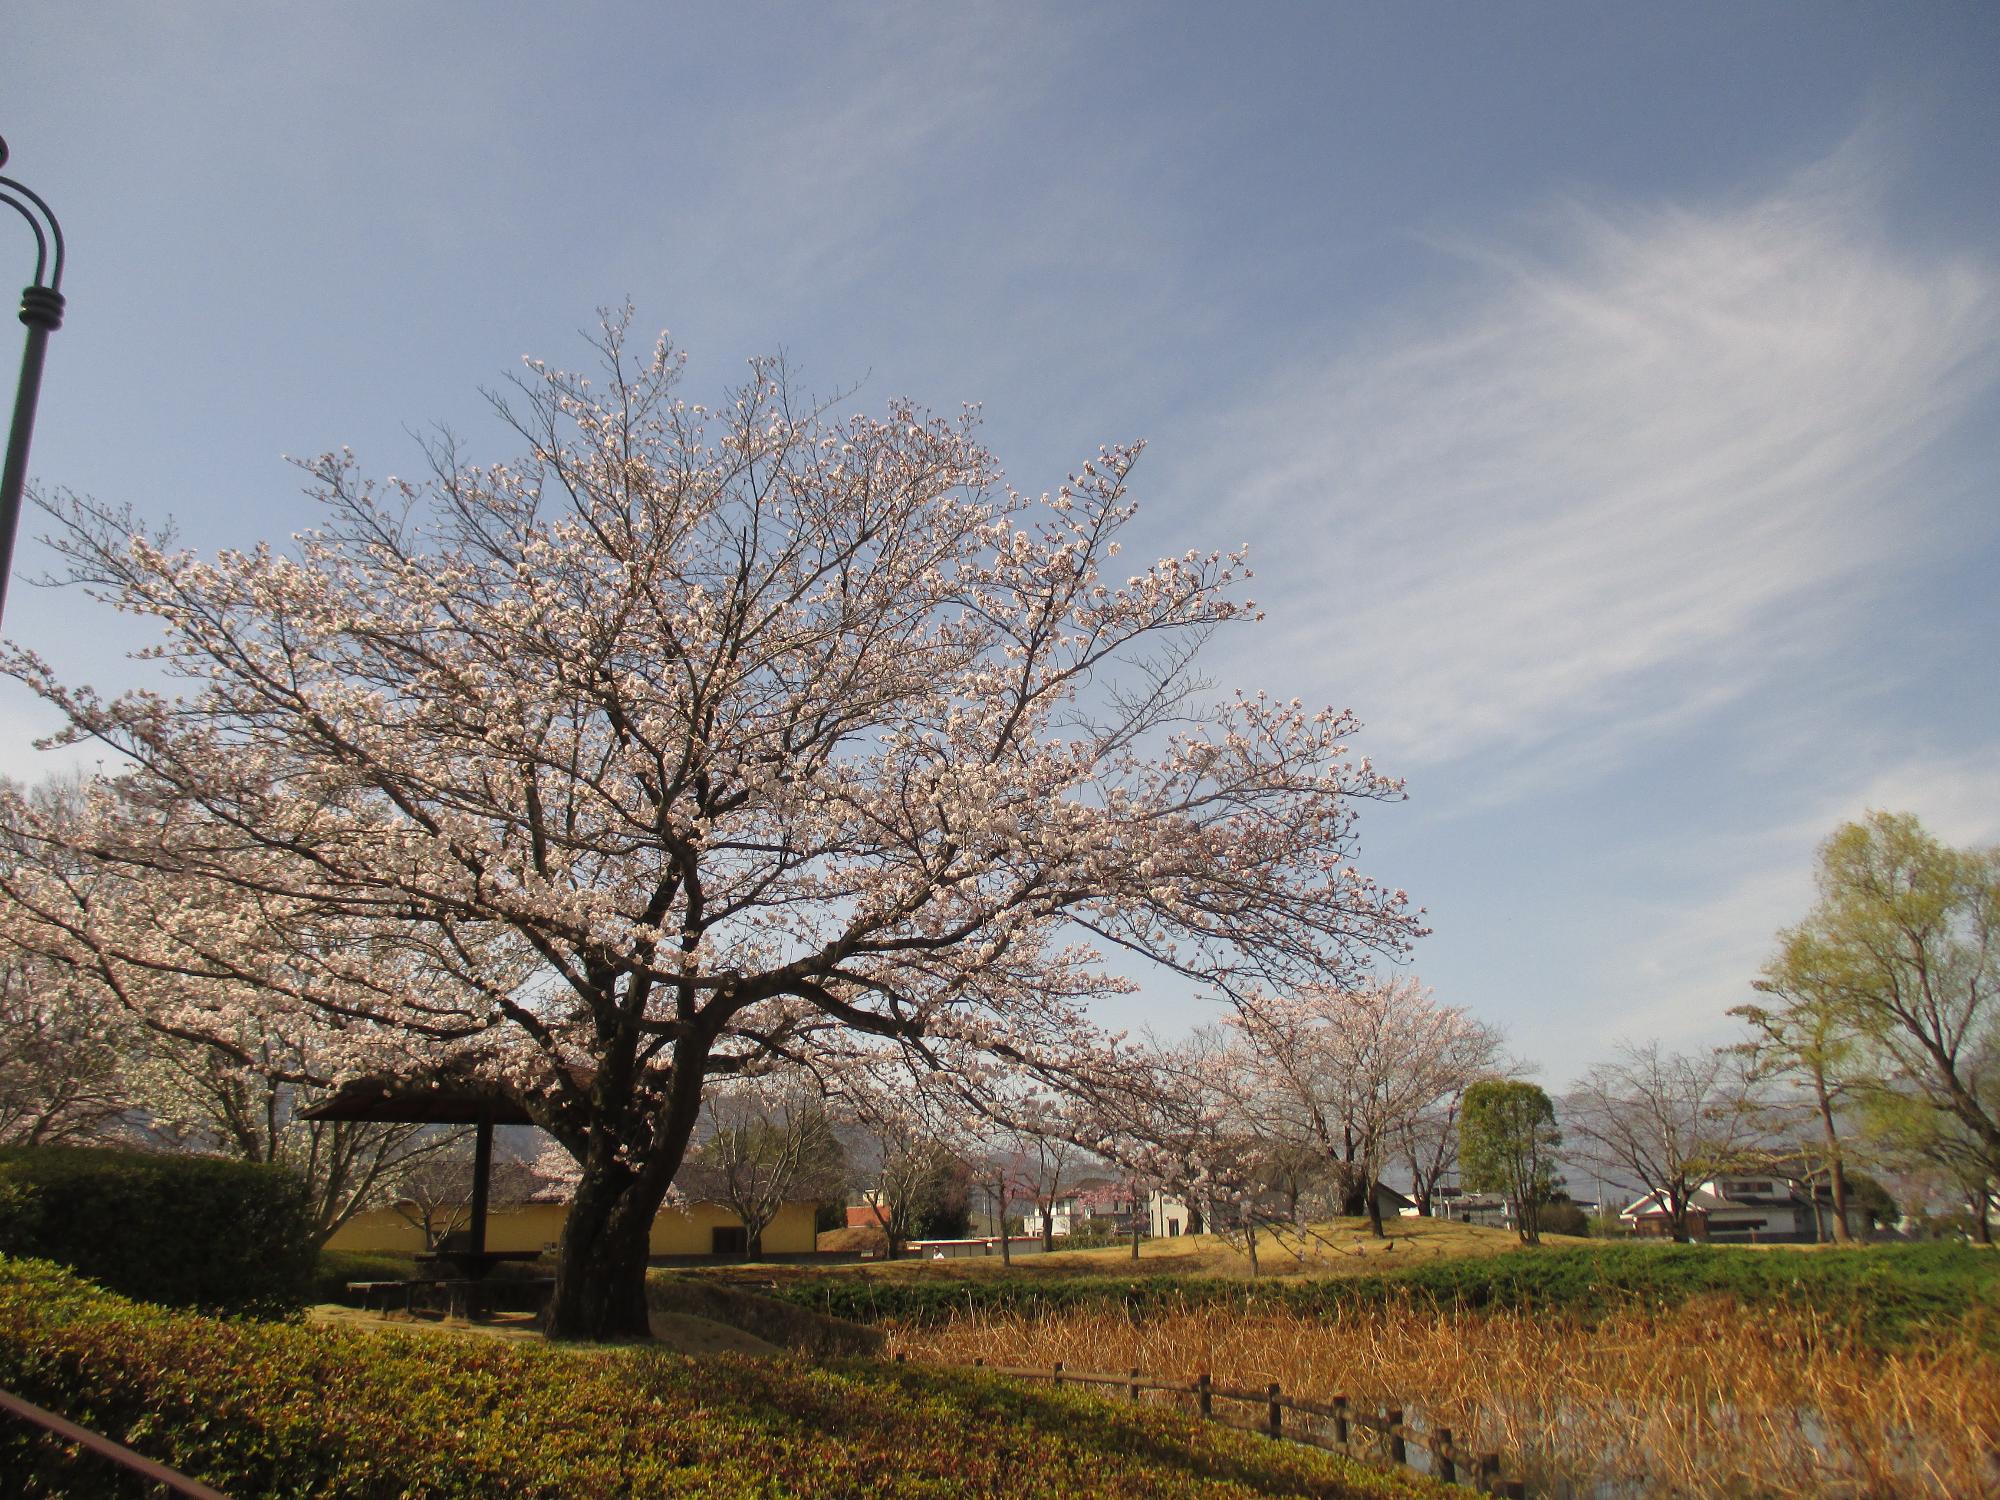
[1893,1292]
[186,1231]
[285,1410]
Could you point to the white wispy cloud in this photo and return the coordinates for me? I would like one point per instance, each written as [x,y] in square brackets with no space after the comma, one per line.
[1617,481]
[814,186]
[1687,962]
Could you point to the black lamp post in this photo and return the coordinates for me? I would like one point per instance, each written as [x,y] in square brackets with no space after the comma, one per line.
[41,310]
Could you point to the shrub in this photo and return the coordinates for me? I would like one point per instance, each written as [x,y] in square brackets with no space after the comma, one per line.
[276,1409]
[186,1231]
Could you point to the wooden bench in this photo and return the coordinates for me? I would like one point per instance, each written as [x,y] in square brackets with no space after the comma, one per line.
[388,1291]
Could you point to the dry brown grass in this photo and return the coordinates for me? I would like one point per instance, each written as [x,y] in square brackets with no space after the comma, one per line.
[1701,1400]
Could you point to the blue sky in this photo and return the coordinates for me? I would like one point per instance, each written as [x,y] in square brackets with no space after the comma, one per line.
[1610,396]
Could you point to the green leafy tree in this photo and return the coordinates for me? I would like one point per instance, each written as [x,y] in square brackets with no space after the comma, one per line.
[1805,1036]
[1900,950]
[1507,1141]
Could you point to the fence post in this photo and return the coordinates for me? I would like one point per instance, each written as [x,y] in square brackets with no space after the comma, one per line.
[901,1357]
[1135,1383]
[1514,1489]
[1485,1472]
[979,1363]
[1203,1396]
[1056,1373]
[1340,1421]
[1277,1423]
[1443,1465]
[1398,1454]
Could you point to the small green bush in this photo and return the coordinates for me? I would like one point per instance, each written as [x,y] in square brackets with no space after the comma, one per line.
[187,1231]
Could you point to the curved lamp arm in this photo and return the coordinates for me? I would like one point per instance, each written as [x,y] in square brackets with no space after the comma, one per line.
[42,312]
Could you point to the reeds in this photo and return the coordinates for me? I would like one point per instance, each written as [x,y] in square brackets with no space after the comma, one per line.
[1700,1399]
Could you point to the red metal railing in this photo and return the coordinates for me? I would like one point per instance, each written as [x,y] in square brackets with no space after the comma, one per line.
[103,1447]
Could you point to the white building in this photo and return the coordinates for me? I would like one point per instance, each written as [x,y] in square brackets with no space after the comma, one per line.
[1752,1209]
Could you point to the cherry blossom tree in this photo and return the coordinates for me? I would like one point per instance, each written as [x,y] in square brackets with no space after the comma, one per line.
[701,737]
[198,992]
[63,1055]
[1351,1068]
[64,1044]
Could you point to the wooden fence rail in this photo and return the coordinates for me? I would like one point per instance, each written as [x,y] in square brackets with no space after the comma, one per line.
[133,1463]
[1450,1461]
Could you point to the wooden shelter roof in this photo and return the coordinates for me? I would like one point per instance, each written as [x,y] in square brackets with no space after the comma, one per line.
[449,1098]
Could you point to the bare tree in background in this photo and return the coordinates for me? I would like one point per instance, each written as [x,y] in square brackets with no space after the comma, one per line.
[1048,1168]
[766,1145]
[1664,1123]
[996,1176]
[432,1191]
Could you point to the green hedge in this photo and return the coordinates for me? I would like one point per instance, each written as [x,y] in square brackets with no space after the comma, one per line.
[289,1410]
[1892,1292]
[186,1231]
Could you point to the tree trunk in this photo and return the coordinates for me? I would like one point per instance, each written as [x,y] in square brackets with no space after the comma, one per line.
[1354,1196]
[1375,1207]
[1835,1172]
[1677,1222]
[601,1265]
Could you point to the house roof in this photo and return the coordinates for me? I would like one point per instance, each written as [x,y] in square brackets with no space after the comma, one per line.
[1713,1196]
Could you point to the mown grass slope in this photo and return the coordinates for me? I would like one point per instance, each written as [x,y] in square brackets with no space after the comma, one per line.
[286,1410]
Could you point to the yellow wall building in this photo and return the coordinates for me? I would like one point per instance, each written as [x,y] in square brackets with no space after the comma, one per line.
[690,1230]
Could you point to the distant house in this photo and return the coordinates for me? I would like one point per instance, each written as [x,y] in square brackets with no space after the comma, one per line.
[1064,1213]
[1460,1207]
[1750,1209]
[1390,1202]
[1167,1216]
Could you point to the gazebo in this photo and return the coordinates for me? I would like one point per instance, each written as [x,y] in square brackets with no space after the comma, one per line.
[444,1096]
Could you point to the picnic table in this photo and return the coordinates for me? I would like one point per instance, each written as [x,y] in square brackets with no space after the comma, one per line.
[463,1278]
